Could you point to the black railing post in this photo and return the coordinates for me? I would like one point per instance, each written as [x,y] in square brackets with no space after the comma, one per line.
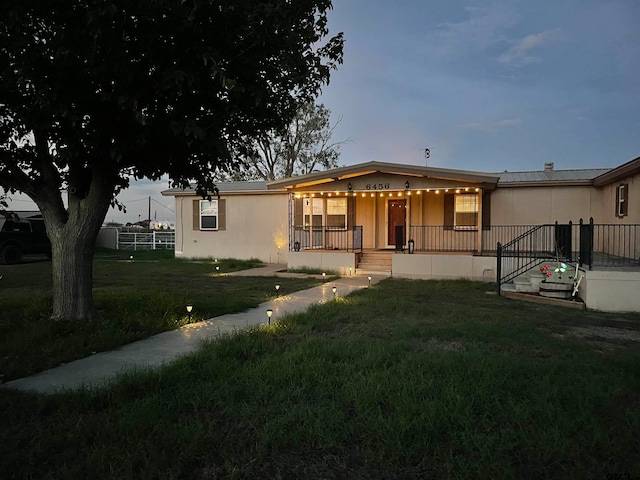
[591,229]
[499,265]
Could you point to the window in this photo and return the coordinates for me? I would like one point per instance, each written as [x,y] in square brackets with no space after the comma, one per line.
[466,211]
[622,200]
[337,213]
[313,211]
[208,215]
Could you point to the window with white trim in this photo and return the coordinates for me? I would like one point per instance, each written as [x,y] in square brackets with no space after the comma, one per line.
[622,200]
[337,213]
[208,214]
[466,211]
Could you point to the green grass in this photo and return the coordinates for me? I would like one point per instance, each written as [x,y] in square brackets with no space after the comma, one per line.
[408,379]
[133,300]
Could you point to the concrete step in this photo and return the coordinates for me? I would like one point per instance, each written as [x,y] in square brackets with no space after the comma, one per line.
[374,272]
[524,284]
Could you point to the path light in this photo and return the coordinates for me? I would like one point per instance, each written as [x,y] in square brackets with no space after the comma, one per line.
[324,276]
[278,289]
[369,277]
[269,313]
[334,290]
[131,258]
[217,268]
[350,271]
[189,310]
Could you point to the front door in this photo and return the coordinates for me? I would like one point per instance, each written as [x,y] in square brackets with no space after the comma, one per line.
[397,214]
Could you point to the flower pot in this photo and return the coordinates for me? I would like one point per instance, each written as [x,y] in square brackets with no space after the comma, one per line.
[556,290]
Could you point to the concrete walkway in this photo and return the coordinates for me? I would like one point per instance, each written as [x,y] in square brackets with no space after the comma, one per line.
[167,346]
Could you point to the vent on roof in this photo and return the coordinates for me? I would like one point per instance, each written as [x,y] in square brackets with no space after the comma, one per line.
[548,166]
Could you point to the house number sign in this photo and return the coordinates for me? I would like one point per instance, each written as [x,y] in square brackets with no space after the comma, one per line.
[377,186]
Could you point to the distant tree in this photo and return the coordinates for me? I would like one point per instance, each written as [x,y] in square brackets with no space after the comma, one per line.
[93,92]
[303,146]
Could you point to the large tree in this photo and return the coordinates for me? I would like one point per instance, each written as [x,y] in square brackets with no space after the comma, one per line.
[304,145]
[93,92]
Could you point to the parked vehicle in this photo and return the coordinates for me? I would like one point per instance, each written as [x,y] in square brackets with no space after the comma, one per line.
[23,237]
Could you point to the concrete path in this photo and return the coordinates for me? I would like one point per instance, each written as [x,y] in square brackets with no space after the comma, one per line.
[167,346]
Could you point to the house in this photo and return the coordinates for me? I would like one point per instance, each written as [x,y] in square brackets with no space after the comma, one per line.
[413,221]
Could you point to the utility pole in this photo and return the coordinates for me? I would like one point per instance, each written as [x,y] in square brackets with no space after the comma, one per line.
[149,217]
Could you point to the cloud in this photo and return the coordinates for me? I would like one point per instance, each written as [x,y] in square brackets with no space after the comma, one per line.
[483,29]
[491,126]
[520,52]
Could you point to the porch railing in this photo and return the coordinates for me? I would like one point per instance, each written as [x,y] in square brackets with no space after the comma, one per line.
[321,237]
[588,244]
[438,238]
[612,245]
[537,245]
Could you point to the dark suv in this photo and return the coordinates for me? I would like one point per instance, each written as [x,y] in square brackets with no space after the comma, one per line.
[22,237]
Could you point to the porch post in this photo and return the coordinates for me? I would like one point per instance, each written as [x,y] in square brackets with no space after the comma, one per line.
[479,237]
[375,220]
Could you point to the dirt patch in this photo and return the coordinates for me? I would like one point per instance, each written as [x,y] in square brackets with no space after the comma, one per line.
[434,345]
[603,337]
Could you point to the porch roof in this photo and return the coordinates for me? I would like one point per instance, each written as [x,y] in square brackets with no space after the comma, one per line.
[487,180]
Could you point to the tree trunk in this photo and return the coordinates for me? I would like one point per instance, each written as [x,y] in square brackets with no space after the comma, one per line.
[72,269]
[73,235]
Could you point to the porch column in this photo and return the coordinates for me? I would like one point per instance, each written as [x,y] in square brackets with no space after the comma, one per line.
[479,237]
[375,221]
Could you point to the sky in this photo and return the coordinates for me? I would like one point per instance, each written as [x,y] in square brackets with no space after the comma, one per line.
[484,85]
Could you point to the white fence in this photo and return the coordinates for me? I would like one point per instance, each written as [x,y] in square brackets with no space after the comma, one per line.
[155,240]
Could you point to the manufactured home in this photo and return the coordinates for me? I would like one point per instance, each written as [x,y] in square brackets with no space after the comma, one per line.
[424,222]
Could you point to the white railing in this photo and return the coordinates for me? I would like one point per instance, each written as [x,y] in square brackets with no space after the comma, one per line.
[155,240]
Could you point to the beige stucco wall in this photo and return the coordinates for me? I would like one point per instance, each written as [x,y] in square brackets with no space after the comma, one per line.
[446,266]
[333,261]
[611,291]
[538,205]
[605,207]
[255,223]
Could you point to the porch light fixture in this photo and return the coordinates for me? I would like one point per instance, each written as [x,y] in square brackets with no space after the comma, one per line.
[446,190]
[382,194]
[334,290]
[458,190]
[437,191]
[428,190]
[466,189]
[269,313]
[369,278]
[278,289]
[399,194]
[373,195]
[477,189]
[189,310]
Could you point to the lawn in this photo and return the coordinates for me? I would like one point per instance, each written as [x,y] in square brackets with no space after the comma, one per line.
[408,379]
[133,298]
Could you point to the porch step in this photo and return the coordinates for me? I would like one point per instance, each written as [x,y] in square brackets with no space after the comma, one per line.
[376,271]
[375,262]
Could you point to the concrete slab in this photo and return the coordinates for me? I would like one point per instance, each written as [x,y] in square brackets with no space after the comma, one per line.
[167,346]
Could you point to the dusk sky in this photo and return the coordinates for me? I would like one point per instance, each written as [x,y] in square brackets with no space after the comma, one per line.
[486,86]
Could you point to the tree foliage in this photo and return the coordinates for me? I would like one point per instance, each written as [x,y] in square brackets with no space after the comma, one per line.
[303,146]
[93,92]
